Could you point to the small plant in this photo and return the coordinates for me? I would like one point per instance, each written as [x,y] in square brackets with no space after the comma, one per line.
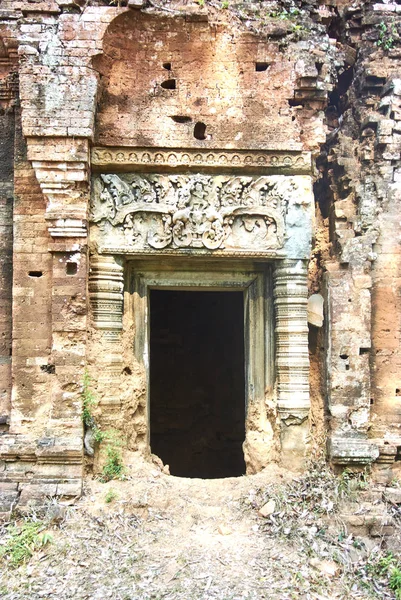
[98,435]
[201,3]
[88,401]
[349,483]
[297,27]
[113,467]
[395,581]
[387,36]
[110,496]
[284,14]
[224,4]
[385,564]
[23,541]
[388,567]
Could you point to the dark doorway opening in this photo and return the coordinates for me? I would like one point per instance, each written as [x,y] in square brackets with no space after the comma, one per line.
[197,382]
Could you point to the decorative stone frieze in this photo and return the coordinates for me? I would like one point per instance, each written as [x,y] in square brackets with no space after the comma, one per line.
[273,161]
[106,295]
[149,213]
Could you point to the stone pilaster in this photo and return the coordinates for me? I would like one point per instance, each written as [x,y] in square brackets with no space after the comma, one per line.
[106,294]
[64,181]
[292,359]
[106,284]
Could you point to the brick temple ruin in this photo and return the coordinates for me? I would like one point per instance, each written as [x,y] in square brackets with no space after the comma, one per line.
[200,215]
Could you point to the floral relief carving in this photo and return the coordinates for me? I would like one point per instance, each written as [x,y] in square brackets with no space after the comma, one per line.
[193,211]
[288,161]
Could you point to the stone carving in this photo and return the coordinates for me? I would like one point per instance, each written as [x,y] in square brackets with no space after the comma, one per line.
[193,211]
[292,161]
[64,185]
[106,295]
[292,356]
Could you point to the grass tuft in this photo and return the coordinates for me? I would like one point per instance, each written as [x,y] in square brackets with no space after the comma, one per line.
[23,541]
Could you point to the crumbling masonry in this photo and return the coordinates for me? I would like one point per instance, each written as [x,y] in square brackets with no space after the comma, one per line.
[254,147]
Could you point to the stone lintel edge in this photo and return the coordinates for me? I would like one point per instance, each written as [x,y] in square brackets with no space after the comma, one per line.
[271,161]
[198,252]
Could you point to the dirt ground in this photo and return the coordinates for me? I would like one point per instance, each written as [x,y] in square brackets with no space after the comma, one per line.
[155,536]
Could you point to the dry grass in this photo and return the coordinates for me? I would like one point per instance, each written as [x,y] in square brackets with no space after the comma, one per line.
[168,538]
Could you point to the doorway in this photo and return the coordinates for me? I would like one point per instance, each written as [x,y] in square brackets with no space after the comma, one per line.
[197,381]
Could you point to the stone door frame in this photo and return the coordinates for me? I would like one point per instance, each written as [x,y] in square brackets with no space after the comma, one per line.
[275,186]
[276,329]
[258,317]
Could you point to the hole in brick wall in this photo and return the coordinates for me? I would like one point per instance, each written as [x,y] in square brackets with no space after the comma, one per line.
[261,66]
[364,350]
[398,455]
[73,10]
[181,119]
[347,367]
[295,102]
[169,84]
[349,299]
[397,392]
[318,66]
[372,401]
[35,273]
[51,369]
[200,131]
[71,268]
[338,98]
[344,356]
[167,66]
[127,371]
[385,110]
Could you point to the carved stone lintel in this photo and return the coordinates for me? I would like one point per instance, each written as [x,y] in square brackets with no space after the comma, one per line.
[106,295]
[292,357]
[151,213]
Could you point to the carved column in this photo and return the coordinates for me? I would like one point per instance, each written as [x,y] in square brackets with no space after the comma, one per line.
[106,295]
[106,284]
[292,358]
